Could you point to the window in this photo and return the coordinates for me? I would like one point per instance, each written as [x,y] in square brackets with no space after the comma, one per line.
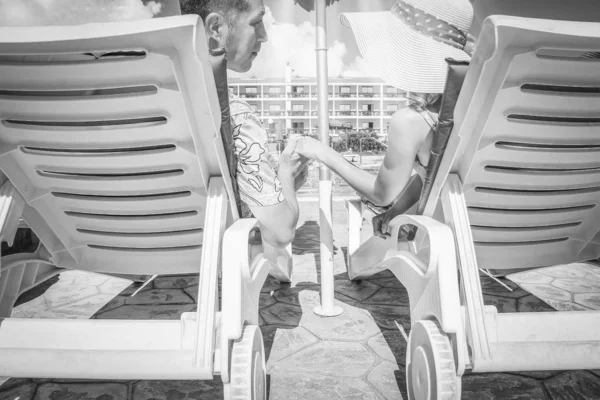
[344,89]
[297,107]
[367,125]
[274,90]
[252,90]
[274,107]
[367,89]
[298,125]
[298,89]
[344,107]
[391,107]
[391,90]
[367,107]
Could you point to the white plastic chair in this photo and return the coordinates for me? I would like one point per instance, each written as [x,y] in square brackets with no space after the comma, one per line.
[518,187]
[110,151]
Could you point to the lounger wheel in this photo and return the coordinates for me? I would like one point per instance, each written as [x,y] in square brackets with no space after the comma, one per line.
[248,376]
[430,368]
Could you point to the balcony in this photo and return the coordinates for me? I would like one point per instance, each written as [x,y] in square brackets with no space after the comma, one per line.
[296,131]
[393,95]
[298,95]
[274,95]
[344,95]
[389,112]
[249,95]
[299,113]
[268,113]
[344,113]
[369,113]
[368,95]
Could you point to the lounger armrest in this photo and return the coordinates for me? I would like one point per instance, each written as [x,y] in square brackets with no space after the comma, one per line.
[355,211]
[243,275]
[441,239]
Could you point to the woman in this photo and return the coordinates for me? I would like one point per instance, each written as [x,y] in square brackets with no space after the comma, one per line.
[407,48]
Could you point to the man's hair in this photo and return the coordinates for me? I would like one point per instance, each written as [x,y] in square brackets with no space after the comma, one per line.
[228,8]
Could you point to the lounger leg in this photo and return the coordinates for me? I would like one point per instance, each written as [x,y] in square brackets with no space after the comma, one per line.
[11,209]
[214,227]
[455,213]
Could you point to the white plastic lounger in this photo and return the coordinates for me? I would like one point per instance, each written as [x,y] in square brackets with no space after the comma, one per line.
[110,151]
[519,187]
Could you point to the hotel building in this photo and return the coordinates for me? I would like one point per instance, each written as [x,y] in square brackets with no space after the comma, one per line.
[355,104]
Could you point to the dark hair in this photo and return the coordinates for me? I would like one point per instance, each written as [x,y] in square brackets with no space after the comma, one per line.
[227,8]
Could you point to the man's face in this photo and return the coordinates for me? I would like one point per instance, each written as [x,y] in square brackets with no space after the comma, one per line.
[244,38]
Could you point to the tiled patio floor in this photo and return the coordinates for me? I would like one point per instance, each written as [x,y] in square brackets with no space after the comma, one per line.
[357,355]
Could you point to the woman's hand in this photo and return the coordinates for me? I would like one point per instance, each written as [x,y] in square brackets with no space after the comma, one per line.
[381,224]
[294,164]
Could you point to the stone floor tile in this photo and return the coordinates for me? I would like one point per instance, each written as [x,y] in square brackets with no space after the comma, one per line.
[389,380]
[175,281]
[353,324]
[165,311]
[560,271]
[134,287]
[292,386]
[282,314]
[272,284]
[177,390]
[261,321]
[392,282]
[87,391]
[266,299]
[281,342]
[113,285]
[68,292]
[502,304]
[574,385]
[332,358]
[6,383]
[547,291]
[577,285]
[490,286]
[307,297]
[37,291]
[501,386]
[386,316]
[591,300]
[115,302]
[21,392]
[389,296]
[389,345]
[532,304]
[85,307]
[160,296]
[538,374]
[595,371]
[531,277]
[192,291]
[356,290]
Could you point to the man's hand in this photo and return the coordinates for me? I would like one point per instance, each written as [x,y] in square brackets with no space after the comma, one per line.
[290,161]
[308,147]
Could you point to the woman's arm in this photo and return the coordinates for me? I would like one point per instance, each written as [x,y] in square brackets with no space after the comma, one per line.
[406,133]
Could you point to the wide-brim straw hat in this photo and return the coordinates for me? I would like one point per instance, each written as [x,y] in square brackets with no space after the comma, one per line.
[407,45]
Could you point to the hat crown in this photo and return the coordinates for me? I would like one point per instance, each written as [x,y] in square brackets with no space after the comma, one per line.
[458,13]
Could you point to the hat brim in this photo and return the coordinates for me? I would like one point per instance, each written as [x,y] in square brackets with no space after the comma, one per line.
[401,56]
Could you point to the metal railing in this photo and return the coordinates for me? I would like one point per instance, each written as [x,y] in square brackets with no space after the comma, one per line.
[369,113]
[268,113]
[299,113]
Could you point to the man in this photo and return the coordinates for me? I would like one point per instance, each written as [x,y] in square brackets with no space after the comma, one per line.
[267,190]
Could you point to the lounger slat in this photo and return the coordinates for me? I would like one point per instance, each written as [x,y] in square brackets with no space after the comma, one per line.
[164,103]
[109,72]
[518,101]
[523,218]
[537,132]
[148,133]
[167,221]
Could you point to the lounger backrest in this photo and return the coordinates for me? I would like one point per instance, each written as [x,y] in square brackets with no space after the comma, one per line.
[110,132]
[526,143]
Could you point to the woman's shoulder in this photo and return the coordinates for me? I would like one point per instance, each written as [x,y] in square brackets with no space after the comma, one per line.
[407,126]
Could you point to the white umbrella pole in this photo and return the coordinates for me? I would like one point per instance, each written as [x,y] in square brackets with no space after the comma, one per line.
[327,308]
